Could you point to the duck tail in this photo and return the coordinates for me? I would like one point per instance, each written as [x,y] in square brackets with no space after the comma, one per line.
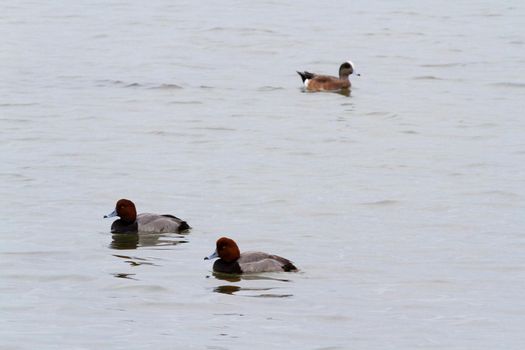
[306,75]
[303,75]
[184,226]
[289,267]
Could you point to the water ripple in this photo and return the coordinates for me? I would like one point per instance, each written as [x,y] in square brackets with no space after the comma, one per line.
[270,88]
[151,86]
[166,87]
[509,84]
[382,203]
[427,77]
[443,65]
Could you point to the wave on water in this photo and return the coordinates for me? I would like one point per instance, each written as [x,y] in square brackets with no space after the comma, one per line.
[378,113]
[400,57]
[242,30]
[270,88]
[489,14]
[426,77]
[495,193]
[166,133]
[405,13]
[213,128]
[167,87]
[103,82]
[110,82]
[509,84]
[18,104]
[443,65]
[382,203]
[120,83]
[185,102]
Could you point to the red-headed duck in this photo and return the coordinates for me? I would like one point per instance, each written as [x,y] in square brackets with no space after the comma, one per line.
[130,222]
[232,261]
[316,82]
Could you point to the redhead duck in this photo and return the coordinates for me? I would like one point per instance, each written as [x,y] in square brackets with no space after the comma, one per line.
[130,222]
[316,82]
[232,261]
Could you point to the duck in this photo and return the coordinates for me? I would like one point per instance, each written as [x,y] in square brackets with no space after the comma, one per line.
[231,260]
[317,82]
[130,222]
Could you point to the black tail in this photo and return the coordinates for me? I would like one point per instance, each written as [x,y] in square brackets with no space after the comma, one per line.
[289,267]
[303,76]
[306,75]
[184,226]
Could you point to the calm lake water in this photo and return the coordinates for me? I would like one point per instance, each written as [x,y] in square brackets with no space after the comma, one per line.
[403,204]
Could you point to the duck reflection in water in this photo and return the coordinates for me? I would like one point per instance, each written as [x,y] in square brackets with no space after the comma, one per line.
[133,261]
[124,275]
[134,240]
[344,92]
[247,291]
[227,289]
[252,277]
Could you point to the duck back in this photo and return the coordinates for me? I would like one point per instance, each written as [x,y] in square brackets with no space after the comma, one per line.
[262,262]
[148,222]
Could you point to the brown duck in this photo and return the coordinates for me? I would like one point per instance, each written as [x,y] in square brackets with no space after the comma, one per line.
[316,82]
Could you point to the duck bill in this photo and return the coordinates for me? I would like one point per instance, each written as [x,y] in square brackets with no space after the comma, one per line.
[112,214]
[212,256]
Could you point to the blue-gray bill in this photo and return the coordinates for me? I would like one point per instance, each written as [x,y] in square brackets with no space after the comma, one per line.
[112,214]
[212,256]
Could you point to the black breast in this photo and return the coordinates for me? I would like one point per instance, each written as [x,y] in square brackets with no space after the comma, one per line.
[226,267]
[120,226]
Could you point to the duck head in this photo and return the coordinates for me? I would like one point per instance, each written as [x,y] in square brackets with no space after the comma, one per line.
[226,249]
[125,209]
[347,69]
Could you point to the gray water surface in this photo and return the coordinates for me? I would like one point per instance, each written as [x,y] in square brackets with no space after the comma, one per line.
[402,204]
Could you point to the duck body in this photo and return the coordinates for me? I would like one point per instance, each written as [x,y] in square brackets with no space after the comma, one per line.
[232,261]
[326,83]
[318,82]
[130,222]
[150,223]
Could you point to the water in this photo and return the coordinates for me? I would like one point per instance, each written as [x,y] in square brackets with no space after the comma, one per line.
[402,204]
